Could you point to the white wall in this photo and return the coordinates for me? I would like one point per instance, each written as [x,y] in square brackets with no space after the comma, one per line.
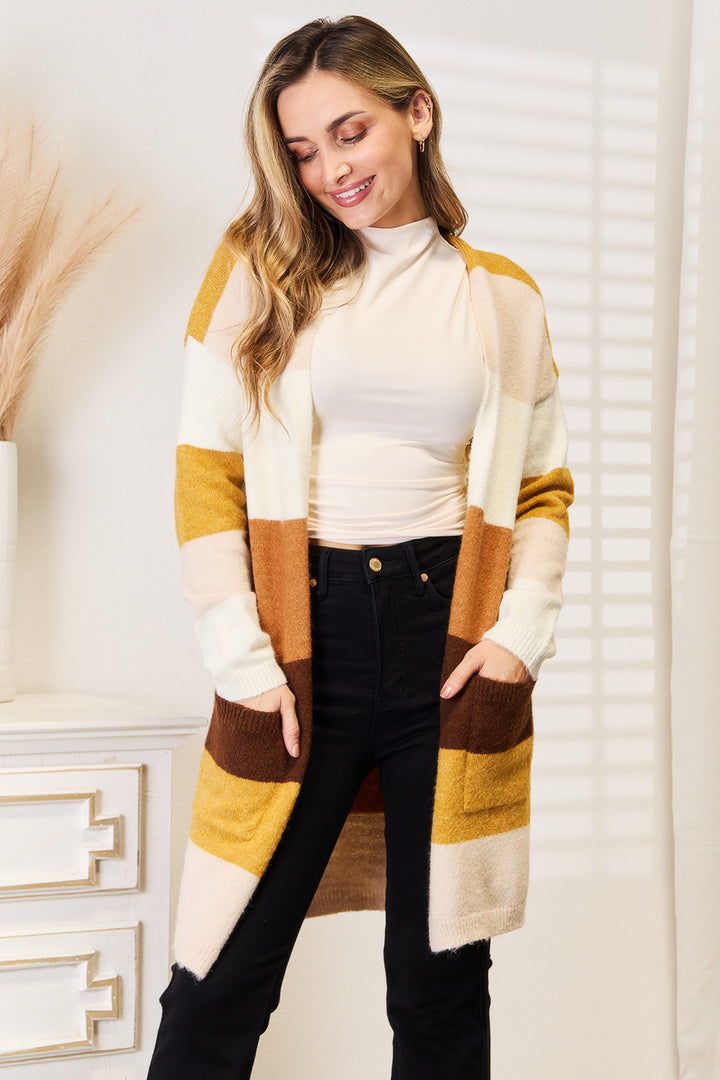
[149,97]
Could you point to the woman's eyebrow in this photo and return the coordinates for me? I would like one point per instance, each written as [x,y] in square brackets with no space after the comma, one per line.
[331,127]
[341,120]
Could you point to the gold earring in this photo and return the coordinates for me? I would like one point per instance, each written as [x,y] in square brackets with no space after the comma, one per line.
[421,145]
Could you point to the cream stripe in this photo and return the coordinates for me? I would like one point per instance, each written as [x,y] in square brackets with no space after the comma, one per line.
[213,895]
[547,440]
[236,651]
[214,568]
[277,466]
[490,486]
[477,888]
[212,406]
[526,622]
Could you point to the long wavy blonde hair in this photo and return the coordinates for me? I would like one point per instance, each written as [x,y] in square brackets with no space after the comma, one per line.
[293,249]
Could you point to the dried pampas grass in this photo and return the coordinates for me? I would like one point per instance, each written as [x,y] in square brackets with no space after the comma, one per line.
[44,249]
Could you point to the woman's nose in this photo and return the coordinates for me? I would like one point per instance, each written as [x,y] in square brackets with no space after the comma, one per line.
[336,169]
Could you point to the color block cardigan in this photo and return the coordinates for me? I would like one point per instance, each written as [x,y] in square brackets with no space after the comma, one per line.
[241,509]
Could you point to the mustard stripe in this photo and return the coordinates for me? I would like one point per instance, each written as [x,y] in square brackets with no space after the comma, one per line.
[238,820]
[481,794]
[547,496]
[210,292]
[208,492]
[494,264]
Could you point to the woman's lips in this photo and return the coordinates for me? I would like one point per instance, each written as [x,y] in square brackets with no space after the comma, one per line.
[352,195]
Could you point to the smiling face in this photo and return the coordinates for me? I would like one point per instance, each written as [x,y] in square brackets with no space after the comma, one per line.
[355,154]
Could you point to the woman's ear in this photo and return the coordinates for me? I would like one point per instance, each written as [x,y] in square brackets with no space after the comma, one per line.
[421,113]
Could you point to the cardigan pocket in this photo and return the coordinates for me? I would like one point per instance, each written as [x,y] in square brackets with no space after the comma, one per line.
[248,743]
[497,764]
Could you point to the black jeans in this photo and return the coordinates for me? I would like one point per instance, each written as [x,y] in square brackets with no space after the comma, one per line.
[379,625]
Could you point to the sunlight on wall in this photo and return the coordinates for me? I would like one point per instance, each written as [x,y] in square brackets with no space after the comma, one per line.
[555,156]
[685,407]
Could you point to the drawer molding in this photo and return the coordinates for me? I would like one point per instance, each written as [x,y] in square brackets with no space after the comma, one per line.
[60,1002]
[69,830]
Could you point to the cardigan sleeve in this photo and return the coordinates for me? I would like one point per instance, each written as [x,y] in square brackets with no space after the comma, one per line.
[533,595]
[210,503]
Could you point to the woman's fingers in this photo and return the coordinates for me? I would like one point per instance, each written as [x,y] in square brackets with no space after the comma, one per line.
[290,726]
[489,660]
[280,699]
[468,666]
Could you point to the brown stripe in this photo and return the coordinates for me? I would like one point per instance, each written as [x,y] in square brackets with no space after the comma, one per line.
[210,292]
[369,797]
[279,551]
[208,492]
[486,717]
[480,578]
[248,743]
[547,496]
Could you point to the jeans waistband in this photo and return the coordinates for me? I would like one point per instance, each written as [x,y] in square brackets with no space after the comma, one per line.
[412,557]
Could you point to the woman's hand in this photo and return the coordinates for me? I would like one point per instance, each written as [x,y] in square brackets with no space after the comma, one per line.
[489,660]
[280,699]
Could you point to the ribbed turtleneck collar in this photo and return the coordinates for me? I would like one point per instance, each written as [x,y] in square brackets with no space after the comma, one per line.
[408,241]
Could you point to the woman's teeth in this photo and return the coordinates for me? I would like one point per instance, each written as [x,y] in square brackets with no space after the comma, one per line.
[354,191]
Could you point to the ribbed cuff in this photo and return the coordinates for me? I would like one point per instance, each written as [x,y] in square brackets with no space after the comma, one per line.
[251,681]
[523,643]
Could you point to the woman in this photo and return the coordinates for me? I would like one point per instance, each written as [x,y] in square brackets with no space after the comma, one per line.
[359,376]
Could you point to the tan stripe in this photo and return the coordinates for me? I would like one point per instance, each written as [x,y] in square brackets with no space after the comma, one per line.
[279,555]
[239,820]
[210,292]
[494,264]
[547,496]
[354,879]
[208,492]
[481,794]
[480,578]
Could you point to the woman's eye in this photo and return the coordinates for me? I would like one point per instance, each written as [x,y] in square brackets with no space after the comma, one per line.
[353,138]
[303,159]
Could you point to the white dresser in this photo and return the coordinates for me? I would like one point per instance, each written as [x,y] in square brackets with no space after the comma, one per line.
[85,809]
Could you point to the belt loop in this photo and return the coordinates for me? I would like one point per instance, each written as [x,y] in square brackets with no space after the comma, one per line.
[418,583]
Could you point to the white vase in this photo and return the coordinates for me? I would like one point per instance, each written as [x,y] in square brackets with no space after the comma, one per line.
[8,551]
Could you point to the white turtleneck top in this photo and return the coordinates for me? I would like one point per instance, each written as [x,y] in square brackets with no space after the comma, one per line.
[397,379]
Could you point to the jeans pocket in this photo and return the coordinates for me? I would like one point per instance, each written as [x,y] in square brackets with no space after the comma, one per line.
[440,580]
